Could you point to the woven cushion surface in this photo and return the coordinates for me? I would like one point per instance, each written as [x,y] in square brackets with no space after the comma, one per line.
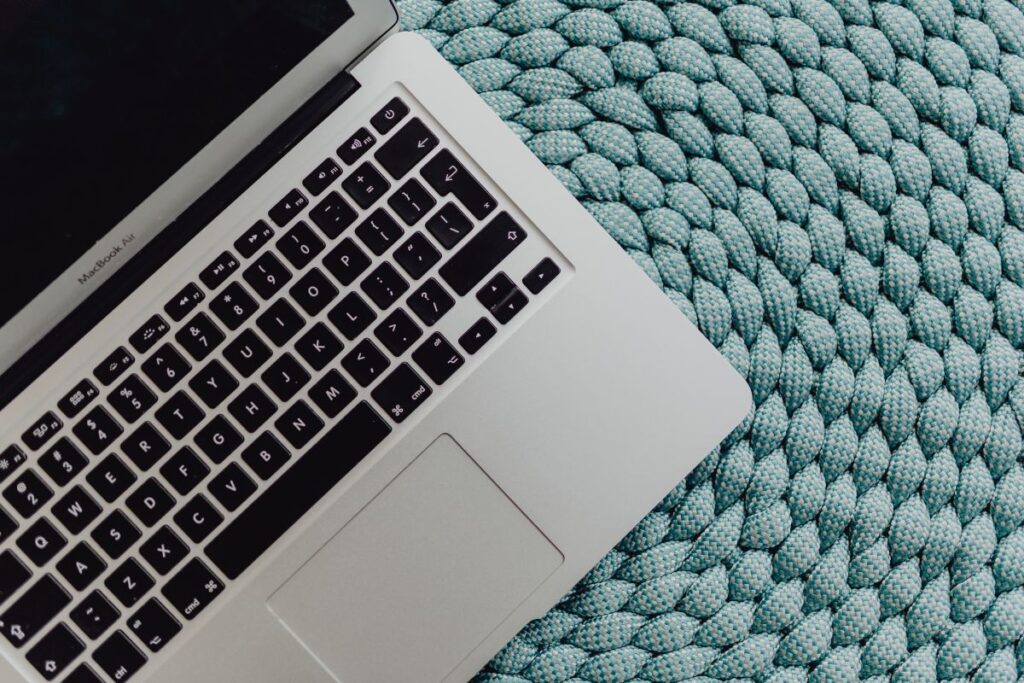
[833,191]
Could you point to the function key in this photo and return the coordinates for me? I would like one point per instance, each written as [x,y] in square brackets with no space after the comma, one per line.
[153,625]
[388,117]
[33,610]
[482,253]
[449,225]
[430,302]
[166,367]
[10,460]
[447,175]
[543,273]
[75,400]
[200,336]
[411,201]
[401,392]
[356,146]
[366,185]
[322,177]
[406,148]
[13,574]
[288,208]
[110,478]
[94,615]
[118,657]
[98,430]
[41,431]
[333,215]
[192,589]
[62,462]
[379,232]
[473,339]
[300,245]
[214,275]
[27,494]
[143,339]
[438,358]
[346,261]
[183,304]
[131,399]
[55,651]
[417,255]
[254,238]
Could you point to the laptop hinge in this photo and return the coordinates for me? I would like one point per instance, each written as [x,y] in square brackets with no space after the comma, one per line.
[174,236]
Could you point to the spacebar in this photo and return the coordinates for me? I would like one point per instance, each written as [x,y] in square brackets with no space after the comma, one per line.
[297,490]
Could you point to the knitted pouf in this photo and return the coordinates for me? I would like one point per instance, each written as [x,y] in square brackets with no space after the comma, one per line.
[834,193]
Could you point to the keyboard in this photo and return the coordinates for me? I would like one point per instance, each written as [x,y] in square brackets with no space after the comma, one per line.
[278,364]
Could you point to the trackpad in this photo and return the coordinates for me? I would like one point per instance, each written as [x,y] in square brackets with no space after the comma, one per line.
[419,577]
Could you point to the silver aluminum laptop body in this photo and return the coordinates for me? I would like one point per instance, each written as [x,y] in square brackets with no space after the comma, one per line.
[470,517]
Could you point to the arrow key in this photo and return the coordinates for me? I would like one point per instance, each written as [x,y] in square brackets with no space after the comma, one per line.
[55,651]
[473,339]
[541,275]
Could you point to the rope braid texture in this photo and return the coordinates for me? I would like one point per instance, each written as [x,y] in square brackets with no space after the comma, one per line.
[834,193]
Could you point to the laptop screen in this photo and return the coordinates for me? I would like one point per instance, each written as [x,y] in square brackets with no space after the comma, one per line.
[101,102]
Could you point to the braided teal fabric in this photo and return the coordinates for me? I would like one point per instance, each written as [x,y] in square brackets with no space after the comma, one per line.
[833,191]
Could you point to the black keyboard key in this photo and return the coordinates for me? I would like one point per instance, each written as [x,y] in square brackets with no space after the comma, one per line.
[447,175]
[166,367]
[27,493]
[13,574]
[197,519]
[252,408]
[313,292]
[233,306]
[438,358]
[319,346]
[509,306]
[115,534]
[182,304]
[366,185]
[146,337]
[332,393]
[267,275]
[131,399]
[449,225]
[417,255]
[55,652]
[214,275]
[149,502]
[62,462]
[76,510]
[232,487]
[33,610]
[179,415]
[379,232]
[218,439]
[384,285]
[495,291]
[254,238]
[192,589]
[41,542]
[299,488]
[7,526]
[153,625]
[482,253]
[76,400]
[213,384]
[388,117]
[288,208]
[356,145]
[82,674]
[280,322]
[430,302]
[473,339]
[352,316]
[285,377]
[300,245]
[401,392]
[129,582]
[541,275]
[184,471]
[246,353]
[41,431]
[322,176]
[81,566]
[98,430]
[398,332]
[406,148]
[333,215]
[110,478]
[411,202]
[265,456]
[145,446]
[200,336]
[346,261]
[365,362]
[163,551]
[11,459]
[94,615]
[299,424]
[118,657]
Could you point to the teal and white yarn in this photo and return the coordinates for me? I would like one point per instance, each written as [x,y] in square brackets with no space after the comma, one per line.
[834,192]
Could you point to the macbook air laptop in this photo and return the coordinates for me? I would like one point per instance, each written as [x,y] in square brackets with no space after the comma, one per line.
[311,371]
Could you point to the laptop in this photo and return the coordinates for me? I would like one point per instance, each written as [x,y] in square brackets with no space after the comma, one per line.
[311,371]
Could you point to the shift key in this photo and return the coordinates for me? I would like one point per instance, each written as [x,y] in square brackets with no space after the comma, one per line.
[482,253]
